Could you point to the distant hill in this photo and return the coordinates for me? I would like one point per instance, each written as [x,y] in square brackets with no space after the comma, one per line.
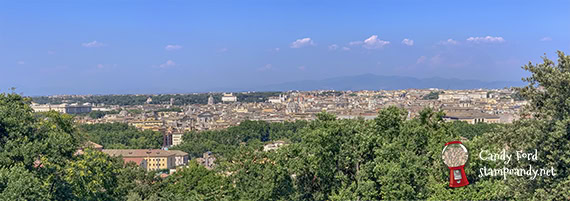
[378,82]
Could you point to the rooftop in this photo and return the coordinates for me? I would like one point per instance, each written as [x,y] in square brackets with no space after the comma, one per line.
[139,152]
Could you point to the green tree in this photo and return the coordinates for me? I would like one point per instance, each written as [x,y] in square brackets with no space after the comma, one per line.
[17,183]
[194,182]
[548,131]
[93,176]
[257,175]
[434,95]
[121,136]
[41,144]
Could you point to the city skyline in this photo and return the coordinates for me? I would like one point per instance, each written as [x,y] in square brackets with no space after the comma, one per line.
[103,47]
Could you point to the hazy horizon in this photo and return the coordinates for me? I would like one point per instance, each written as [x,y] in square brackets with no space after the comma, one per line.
[289,86]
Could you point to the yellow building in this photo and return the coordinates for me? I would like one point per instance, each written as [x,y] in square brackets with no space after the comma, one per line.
[268,110]
[149,159]
[154,125]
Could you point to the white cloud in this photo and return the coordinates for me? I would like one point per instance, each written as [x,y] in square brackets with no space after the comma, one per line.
[371,43]
[486,39]
[299,43]
[21,62]
[408,42]
[333,47]
[355,43]
[421,60]
[301,68]
[277,49]
[93,44]
[448,42]
[173,47]
[168,63]
[337,47]
[546,39]
[266,67]
[374,43]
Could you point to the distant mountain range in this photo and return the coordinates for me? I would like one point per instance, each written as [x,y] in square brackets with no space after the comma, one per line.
[379,82]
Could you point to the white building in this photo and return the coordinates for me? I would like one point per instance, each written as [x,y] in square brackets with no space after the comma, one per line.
[63,108]
[180,158]
[275,99]
[273,146]
[462,95]
[177,138]
[210,100]
[229,98]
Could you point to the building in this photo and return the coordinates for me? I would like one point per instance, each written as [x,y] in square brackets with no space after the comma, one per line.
[166,139]
[205,117]
[462,95]
[276,99]
[177,138]
[180,157]
[155,125]
[149,159]
[78,109]
[472,117]
[63,108]
[207,160]
[274,145]
[210,100]
[229,98]
[90,145]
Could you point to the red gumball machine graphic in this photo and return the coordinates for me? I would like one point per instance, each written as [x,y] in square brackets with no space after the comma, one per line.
[455,156]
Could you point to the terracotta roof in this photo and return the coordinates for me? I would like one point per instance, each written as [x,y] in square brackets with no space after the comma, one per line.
[178,152]
[470,115]
[138,152]
[138,161]
[93,145]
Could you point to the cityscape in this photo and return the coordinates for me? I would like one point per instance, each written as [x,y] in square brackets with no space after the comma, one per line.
[472,106]
[259,100]
[173,119]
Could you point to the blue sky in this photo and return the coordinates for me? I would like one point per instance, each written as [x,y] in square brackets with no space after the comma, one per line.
[118,46]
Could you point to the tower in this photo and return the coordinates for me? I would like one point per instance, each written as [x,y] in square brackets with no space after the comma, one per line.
[210,100]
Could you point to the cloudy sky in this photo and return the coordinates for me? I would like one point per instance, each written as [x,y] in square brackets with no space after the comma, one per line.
[120,46]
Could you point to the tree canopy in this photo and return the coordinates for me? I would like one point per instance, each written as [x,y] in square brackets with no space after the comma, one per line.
[121,136]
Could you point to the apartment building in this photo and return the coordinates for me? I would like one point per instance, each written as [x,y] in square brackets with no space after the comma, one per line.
[150,159]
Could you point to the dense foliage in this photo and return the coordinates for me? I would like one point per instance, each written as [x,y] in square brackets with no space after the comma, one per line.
[37,160]
[255,97]
[434,95]
[121,136]
[390,157]
[470,131]
[224,142]
[100,114]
